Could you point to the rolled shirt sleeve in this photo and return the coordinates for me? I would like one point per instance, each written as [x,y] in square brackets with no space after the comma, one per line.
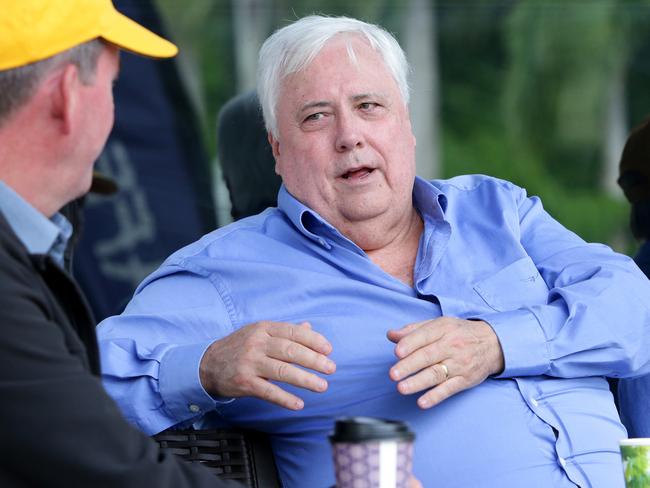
[151,354]
[596,319]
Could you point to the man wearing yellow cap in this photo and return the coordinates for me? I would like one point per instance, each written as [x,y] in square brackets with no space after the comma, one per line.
[58,60]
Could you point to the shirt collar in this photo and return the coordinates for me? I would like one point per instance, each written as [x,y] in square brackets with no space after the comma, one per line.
[428,199]
[38,234]
[306,220]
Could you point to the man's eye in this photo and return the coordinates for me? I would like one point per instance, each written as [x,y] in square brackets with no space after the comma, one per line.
[314,117]
[368,105]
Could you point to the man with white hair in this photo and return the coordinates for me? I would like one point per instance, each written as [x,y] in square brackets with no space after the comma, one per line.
[459,306]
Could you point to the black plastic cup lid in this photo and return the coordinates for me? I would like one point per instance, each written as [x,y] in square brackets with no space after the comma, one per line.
[364,429]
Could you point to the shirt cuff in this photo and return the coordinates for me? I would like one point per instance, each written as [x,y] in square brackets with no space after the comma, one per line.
[180,384]
[524,346]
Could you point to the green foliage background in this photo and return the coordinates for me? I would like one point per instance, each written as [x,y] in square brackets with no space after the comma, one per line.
[523,85]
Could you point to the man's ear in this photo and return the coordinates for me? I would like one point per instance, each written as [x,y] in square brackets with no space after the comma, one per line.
[275,148]
[64,97]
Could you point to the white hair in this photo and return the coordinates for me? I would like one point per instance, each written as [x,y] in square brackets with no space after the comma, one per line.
[290,49]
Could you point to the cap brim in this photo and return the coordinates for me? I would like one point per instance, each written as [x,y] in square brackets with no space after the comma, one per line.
[131,36]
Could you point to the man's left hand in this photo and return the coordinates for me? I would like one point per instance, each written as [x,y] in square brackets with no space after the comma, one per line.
[444,356]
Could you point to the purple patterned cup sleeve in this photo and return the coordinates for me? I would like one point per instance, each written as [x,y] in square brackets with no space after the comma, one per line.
[363,462]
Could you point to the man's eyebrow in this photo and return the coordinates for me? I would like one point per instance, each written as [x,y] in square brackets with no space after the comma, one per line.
[315,104]
[354,98]
[365,96]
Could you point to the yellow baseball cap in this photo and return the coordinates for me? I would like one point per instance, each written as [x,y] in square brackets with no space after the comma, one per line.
[32,30]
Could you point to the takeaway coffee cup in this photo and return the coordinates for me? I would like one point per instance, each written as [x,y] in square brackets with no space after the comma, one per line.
[372,453]
[635,454]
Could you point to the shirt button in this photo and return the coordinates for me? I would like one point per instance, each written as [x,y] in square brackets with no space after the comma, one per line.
[534,402]
[562,462]
[195,408]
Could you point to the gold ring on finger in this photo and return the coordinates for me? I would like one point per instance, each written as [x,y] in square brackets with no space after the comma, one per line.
[445,370]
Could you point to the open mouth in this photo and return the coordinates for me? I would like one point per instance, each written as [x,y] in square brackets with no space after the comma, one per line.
[357,173]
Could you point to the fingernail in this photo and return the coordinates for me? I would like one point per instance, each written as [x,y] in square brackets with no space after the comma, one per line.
[403,387]
[395,373]
[423,403]
[329,366]
[298,404]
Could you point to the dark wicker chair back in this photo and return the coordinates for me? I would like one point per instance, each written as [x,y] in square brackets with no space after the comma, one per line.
[240,455]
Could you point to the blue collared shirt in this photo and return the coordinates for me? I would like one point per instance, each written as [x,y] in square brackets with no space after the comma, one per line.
[566,313]
[38,234]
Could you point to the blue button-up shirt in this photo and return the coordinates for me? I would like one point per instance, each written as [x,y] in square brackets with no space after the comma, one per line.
[37,233]
[566,313]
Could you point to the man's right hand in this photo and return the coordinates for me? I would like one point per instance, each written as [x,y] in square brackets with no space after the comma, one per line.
[245,362]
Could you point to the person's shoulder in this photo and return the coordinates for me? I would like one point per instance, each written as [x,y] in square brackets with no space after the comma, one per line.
[480,194]
[474,182]
[12,252]
[241,240]
[223,240]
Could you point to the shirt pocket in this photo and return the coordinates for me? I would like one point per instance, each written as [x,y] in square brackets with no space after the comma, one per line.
[518,284]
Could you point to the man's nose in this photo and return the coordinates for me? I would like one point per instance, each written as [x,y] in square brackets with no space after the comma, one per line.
[349,133]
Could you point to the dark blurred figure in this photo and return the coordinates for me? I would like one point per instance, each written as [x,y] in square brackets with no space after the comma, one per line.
[157,157]
[634,179]
[245,157]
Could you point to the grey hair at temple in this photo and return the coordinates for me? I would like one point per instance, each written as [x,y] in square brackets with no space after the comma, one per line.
[18,84]
[291,48]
